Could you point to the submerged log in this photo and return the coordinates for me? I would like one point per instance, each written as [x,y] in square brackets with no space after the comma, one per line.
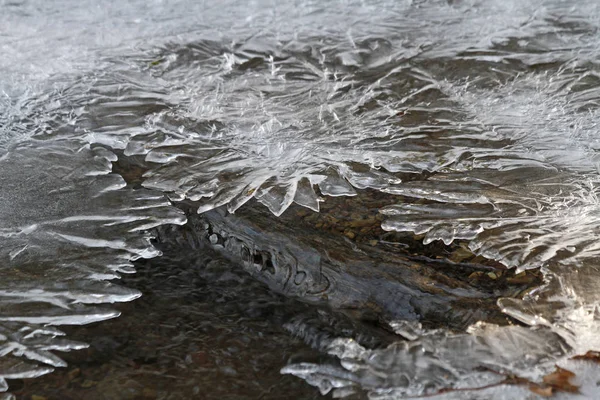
[371,274]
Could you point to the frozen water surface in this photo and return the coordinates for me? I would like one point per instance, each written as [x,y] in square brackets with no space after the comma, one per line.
[478,119]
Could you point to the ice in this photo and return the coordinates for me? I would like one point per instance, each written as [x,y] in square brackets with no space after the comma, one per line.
[478,117]
[540,209]
[280,107]
[65,247]
[562,319]
[435,361]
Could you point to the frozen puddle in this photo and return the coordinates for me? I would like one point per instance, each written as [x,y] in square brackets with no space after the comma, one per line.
[455,141]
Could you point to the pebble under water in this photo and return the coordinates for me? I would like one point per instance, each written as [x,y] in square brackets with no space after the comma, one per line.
[360,199]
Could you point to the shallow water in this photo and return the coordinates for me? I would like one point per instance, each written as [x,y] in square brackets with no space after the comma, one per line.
[409,189]
[202,329]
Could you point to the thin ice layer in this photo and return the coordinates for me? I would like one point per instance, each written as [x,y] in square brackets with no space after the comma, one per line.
[561,321]
[254,113]
[488,108]
[435,361]
[539,191]
[268,111]
[68,227]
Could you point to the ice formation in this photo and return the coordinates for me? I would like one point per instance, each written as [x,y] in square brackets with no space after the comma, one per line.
[480,116]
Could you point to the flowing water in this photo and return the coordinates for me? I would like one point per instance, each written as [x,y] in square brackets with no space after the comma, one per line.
[365,199]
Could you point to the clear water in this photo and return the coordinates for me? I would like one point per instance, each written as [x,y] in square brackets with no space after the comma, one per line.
[477,120]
